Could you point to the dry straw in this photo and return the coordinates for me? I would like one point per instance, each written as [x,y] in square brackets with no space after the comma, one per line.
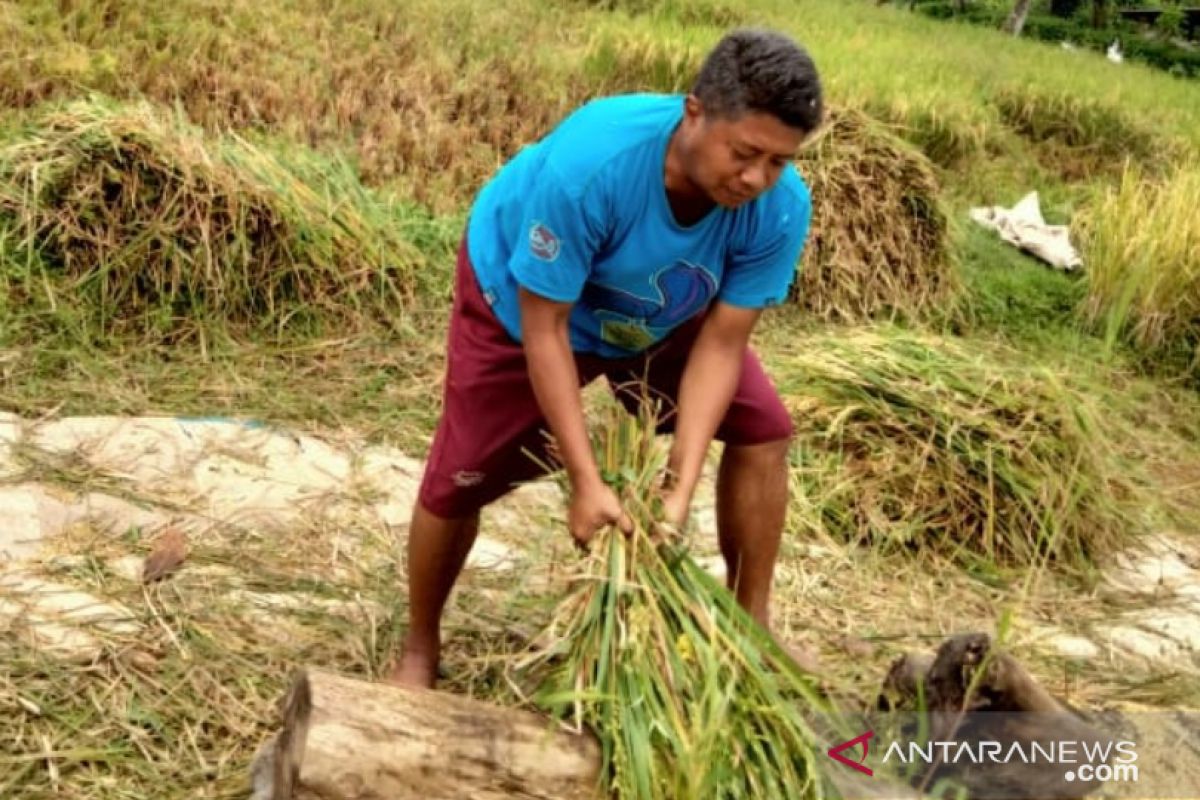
[158,224]
[879,241]
[912,443]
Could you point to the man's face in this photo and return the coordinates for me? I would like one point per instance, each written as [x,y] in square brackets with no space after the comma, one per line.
[735,160]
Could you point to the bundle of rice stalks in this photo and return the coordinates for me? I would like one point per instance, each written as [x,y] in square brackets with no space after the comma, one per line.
[1142,246]
[879,239]
[913,442]
[688,696]
[157,225]
[1081,136]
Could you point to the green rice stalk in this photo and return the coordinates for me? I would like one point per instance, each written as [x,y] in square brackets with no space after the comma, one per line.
[688,696]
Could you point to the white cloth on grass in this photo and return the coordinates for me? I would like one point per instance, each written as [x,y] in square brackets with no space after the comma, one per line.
[1023,226]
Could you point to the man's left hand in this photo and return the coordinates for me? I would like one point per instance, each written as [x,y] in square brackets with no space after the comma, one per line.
[675,507]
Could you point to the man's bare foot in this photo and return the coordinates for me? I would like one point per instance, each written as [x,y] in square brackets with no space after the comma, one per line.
[414,671]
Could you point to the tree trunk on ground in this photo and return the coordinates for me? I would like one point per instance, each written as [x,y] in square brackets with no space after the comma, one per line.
[1016,20]
[346,738]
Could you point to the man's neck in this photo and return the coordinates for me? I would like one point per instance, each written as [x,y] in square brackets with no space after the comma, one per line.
[689,204]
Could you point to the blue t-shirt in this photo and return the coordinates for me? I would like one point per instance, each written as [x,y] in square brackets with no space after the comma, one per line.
[583,217]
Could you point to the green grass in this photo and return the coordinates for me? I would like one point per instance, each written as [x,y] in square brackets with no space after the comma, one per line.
[1013,295]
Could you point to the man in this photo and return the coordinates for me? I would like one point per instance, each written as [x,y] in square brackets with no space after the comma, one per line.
[640,239]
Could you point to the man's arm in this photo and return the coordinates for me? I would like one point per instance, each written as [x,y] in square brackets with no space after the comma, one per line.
[555,380]
[709,381]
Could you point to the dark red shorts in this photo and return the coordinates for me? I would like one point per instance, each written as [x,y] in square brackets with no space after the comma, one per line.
[491,421]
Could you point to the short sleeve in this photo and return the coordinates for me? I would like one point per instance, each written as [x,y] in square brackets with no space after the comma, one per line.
[760,272]
[562,228]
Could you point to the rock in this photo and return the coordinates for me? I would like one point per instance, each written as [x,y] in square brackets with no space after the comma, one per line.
[1180,626]
[60,618]
[1074,647]
[20,523]
[491,554]
[10,434]
[713,565]
[1144,644]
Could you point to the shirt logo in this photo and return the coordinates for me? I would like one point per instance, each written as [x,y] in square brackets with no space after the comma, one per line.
[633,323]
[543,242]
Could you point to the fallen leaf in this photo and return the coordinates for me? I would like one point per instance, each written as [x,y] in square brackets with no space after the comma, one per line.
[169,552]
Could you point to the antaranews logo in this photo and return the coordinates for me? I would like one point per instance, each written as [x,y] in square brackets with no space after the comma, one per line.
[1082,760]
[835,752]
[1085,761]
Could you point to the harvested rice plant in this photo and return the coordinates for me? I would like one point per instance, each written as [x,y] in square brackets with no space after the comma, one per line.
[880,243]
[157,226]
[227,244]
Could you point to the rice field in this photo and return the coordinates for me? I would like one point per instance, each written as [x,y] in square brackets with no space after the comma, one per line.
[250,209]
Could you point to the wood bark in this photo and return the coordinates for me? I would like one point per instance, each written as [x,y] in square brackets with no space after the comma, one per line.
[344,738]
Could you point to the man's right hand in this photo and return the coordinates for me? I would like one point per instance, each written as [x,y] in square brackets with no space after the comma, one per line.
[593,506]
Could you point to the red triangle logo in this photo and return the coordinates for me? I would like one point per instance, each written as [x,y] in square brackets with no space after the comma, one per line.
[835,752]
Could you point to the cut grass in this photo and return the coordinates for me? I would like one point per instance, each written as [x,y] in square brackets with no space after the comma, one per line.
[152,227]
[915,443]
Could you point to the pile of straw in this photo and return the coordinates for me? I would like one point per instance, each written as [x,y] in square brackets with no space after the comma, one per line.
[912,442]
[879,240]
[687,695]
[157,224]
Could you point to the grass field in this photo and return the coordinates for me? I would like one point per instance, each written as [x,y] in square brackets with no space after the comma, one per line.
[251,209]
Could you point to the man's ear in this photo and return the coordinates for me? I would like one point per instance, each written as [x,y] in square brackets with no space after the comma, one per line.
[693,109]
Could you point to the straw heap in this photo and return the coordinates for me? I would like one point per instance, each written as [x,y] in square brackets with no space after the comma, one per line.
[912,442]
[880,237]
[154,223]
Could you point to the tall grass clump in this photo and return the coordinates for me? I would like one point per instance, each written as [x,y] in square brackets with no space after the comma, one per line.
[1141,242]
[914,443]
[158,226]
[880,235]
[687,695]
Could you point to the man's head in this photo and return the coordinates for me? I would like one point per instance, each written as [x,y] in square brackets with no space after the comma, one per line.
[757,97]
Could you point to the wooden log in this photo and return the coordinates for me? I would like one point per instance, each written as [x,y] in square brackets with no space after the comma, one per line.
[347,739]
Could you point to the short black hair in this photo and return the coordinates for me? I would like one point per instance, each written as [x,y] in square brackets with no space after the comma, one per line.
[760,70]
